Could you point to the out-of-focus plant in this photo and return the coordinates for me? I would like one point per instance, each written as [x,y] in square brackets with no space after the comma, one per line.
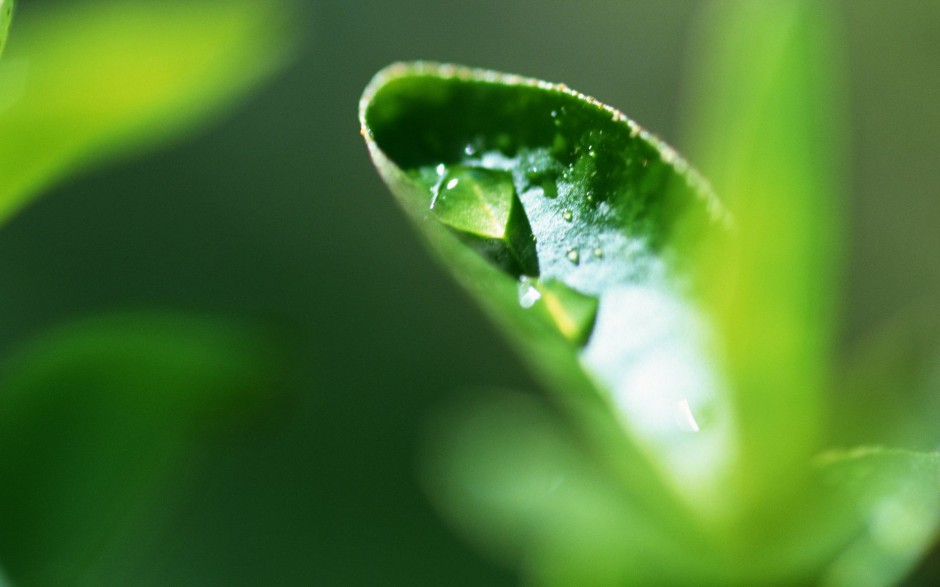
[688,340]
[95,416]
[92,81]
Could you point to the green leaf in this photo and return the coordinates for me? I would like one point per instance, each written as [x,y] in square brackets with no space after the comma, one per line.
[604,200]
[84,82]
[887,389]
[895,495]
[510,473]
[6,15]
[767,133]
[98,420]
[615,333]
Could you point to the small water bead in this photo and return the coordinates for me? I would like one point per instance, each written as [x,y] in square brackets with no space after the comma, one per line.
[470,150]
[573,256]
[567,215]
[598,252]
[528,293]
[536,173]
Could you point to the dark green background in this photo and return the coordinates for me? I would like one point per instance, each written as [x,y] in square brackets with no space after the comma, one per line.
[277,214]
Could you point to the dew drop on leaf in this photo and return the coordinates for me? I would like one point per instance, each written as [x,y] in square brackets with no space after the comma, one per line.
[528,293]
[573,256]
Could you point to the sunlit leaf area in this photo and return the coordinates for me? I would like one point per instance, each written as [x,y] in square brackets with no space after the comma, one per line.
[342,293]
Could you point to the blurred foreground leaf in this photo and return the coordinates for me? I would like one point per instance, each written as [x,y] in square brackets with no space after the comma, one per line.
[766,127]
[888,390]
[85,81]
[96,420]
[526,490]
[896,494]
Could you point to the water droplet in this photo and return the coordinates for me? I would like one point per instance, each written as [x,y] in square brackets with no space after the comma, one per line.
[598,252]
[470,150]
[528,294]
[573,256]
[440,169]
[590,197]
[567,215]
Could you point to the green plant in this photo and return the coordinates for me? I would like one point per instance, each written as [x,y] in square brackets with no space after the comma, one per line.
[697,435]
[96,416]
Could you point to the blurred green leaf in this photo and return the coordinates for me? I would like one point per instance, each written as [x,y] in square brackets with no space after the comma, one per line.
[896,495]
[83,82]
[6,15]
[766,128]
[509,472]
[97,420]
[888,387]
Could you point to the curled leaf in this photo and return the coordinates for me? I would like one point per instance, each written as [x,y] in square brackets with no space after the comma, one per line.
[587,282]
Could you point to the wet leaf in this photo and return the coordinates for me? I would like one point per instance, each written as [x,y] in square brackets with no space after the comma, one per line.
[602,313]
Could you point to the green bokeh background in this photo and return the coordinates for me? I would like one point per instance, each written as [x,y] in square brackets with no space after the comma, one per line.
[276,215]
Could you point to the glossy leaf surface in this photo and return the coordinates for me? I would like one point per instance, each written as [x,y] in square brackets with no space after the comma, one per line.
[602,309]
